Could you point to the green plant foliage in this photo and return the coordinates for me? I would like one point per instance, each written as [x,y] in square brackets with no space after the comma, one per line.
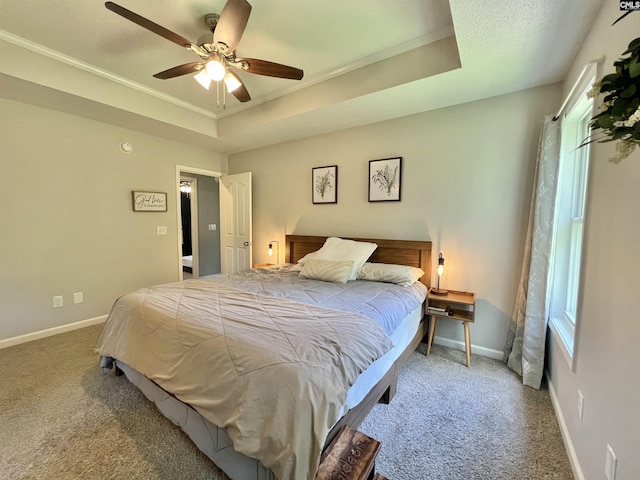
[619,119]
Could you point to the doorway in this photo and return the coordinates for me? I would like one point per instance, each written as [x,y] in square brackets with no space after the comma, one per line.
[189,227]
[198,220]
[223,210]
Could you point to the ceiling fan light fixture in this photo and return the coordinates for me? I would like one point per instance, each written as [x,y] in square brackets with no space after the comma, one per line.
[231,82]
[216,49]
[215,69]
[203,79]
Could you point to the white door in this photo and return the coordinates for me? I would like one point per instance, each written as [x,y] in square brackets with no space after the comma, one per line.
[235,222]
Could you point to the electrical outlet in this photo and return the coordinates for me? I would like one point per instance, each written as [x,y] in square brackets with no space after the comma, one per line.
[78,297]
[58,301]
[161,230]
[580,404]
[610,464]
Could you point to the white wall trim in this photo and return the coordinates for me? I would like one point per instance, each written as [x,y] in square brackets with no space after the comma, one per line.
[60,57]
[459,345]
[568,444]
[588,74]
[440,34]
[196,171]
[9,342]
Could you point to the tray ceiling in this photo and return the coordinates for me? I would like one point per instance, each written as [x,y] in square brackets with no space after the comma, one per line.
[364,61]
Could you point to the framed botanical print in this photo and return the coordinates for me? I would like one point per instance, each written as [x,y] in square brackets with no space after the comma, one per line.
[385,177]
[324,184]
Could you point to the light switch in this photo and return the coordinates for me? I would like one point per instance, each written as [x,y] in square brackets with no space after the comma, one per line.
[78,297]
[212,226]
[161,230]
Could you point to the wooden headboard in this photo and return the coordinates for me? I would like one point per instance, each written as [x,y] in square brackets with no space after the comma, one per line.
[403,252]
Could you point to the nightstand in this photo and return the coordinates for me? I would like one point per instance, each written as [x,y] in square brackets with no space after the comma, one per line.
[260,265]
[456,306]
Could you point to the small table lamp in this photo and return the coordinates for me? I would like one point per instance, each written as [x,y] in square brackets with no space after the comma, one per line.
[437,291]
[277,250]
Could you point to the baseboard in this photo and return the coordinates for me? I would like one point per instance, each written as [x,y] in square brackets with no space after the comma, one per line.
[475,349]
[9,342]
[568,444]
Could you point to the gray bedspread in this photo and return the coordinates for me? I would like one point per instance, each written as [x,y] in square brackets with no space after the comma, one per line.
[250,362]
[385,303]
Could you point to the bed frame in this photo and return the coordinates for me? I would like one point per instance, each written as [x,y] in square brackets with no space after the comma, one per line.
[404,252]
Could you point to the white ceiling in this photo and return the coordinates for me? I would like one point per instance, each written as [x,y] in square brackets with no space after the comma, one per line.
[364,61]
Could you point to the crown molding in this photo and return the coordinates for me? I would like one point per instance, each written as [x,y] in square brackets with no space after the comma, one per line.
[60,57]
[440,34]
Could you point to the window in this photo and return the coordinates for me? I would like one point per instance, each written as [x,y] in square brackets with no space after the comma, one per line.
[566,256]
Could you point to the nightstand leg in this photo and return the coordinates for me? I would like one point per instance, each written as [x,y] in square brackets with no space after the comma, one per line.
[432,329]
[467,342]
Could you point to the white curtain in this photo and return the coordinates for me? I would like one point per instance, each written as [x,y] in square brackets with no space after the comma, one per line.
[525,346]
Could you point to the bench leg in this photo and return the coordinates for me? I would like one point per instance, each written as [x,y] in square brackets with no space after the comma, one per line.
[373,472]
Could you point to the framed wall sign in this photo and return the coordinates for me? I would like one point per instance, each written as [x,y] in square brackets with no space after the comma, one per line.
[149,201]
[385,178]
[324,184]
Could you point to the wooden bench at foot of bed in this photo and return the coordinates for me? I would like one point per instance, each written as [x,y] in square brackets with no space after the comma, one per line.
[350,456]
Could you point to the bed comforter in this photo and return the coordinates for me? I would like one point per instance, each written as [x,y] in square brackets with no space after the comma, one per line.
[385,303]
[248,362]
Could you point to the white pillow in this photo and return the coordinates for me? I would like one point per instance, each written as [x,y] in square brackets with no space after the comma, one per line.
[327,270]
[308,256]
[338,249]
[386,272]
[298,266]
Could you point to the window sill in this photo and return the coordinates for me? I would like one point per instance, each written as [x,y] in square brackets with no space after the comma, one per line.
[564,337]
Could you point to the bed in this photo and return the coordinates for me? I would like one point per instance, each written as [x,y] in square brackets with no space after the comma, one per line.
[187,263]
[328,394]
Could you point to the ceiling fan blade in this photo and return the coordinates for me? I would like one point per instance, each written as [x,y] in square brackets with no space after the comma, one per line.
[180,70]
[270,69]
[231,25]
[240,92]
[148,24]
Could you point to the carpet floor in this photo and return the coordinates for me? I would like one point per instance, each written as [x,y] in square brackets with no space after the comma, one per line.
[60,419]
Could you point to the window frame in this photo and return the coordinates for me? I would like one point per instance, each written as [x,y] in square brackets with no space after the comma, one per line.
[567,266]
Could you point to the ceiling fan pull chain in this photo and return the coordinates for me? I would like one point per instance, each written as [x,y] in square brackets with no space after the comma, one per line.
[224,96]
[218,94]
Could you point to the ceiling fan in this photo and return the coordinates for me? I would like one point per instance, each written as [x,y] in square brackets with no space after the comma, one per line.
[217,49]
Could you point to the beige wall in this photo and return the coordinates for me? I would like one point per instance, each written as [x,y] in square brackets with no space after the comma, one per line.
[66,220]
[607,371]
[467,175]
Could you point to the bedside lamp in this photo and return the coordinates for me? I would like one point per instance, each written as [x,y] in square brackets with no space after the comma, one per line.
[437,291]
[277,250]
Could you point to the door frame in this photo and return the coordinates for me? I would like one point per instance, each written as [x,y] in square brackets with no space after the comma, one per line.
[184,170]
